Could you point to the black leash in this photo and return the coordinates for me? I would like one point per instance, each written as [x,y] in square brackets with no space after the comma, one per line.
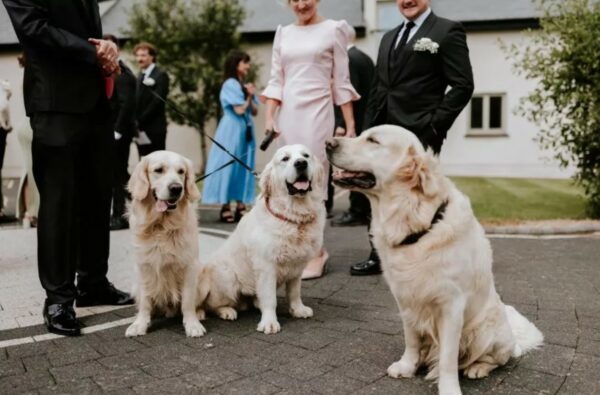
[187,117]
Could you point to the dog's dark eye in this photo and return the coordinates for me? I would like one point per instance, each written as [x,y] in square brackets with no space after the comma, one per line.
[372,140]
[306,155]
[285,159]
[180,171]
[158,170]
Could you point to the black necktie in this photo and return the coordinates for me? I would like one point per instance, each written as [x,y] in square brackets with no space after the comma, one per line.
[403,40]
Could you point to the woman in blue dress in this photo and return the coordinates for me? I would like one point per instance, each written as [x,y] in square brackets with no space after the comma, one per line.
[236,133]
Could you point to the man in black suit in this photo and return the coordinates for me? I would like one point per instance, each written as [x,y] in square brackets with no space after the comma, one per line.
[66,85]
[416,64]
[361,74]
[151,115]
[122,104]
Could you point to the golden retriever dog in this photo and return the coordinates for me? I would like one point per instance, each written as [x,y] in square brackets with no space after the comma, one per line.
[271,244]
[435,258]
[162,216]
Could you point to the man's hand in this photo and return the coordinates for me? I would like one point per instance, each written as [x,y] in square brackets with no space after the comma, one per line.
[107,55]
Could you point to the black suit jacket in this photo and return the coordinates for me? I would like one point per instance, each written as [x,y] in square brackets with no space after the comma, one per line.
[412,92]
[151,116]
[61,72]
[361,74]
[122,103]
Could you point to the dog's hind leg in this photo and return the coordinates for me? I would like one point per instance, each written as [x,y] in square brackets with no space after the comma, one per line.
[297,308]
[226,313]
[481,368]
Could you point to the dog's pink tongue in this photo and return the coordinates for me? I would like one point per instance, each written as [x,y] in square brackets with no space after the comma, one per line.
[301,185]
[161,206]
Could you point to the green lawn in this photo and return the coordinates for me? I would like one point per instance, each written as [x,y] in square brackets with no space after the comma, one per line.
[500,200]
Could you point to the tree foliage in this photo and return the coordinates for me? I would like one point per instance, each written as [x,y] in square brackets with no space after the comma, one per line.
[563,56]
[192,37]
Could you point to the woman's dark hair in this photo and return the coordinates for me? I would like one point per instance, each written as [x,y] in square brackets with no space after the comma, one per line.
[232,61]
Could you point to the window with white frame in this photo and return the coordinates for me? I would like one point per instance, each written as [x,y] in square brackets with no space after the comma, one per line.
[487,115]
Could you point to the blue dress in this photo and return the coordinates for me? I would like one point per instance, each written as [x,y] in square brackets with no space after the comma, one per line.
[233,182]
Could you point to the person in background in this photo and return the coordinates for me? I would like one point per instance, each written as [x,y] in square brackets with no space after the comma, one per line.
[150,109]
[309,74]
[418,61]
[236,133]
[122,105]
[67,82]
[5,128]
[362,70]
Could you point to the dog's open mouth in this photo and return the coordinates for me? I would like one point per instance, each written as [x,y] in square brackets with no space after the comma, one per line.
[354,179]
[301,186]
[165,205]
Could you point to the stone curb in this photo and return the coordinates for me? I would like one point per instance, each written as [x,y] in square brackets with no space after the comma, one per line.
[542,229]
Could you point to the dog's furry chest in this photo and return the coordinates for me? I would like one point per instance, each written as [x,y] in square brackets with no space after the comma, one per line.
[163,283]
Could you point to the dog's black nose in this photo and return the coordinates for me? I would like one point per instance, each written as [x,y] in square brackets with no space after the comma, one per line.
[300,164]
[175,189]
[331,144]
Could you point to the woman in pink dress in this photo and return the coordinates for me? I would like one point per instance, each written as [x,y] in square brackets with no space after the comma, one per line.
[309,74]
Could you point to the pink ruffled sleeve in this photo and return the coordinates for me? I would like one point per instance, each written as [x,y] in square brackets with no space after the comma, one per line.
[343,91]
[274,89]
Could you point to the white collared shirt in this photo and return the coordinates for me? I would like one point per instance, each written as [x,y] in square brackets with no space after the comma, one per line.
[149,70]
[418,22]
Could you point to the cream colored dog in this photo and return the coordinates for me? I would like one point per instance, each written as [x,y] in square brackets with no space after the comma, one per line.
[162,217]
[271,244]
[435,257]
[5,94]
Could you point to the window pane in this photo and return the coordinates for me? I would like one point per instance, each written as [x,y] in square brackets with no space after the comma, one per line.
[477,113]
[388,16]
[496,112]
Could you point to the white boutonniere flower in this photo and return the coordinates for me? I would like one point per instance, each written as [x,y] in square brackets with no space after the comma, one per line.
[149,81]
[426,44]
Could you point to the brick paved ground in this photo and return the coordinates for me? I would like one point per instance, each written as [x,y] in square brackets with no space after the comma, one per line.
[345,348]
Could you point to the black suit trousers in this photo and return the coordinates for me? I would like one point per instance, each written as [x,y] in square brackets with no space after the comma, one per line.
[72,166]
[121,176]
[158,143]
[3,135]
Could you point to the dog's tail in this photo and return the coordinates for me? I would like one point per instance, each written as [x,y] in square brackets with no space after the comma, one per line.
[527,336]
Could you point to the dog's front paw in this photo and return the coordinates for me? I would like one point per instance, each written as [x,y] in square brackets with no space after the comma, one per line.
[138,328]
[194,328]
[227,313]
[402,368]
[268,327]
[301,311]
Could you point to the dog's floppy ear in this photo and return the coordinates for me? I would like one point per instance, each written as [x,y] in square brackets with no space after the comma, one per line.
[191,190]
[139,185]
[418,172]
[266,180]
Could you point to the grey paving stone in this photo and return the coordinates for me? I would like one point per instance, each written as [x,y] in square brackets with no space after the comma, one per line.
[583,376]
[37,362]
[11,367]
[173,385]
[116,379]
[287,383]
[76,371]
[168,368]
[75,387]
[248,386]
[25,382]
[362,370]
[331,383]
[71,352]
[590,347]
[284,353]
[551,359]
[303,369]
[387,385]
[534,380]
[210,378]
[309,340]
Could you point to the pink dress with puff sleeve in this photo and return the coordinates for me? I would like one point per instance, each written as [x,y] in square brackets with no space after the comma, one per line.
[309,73]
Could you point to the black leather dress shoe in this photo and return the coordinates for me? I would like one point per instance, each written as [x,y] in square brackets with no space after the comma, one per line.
[350,219]
[365,268]
[61,319]
[107,296]
[118,223]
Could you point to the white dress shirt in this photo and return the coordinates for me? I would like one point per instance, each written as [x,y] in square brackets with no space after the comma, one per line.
[418,22]
[149,70]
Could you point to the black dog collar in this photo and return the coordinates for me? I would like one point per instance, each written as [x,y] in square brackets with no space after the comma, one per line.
[415,237]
